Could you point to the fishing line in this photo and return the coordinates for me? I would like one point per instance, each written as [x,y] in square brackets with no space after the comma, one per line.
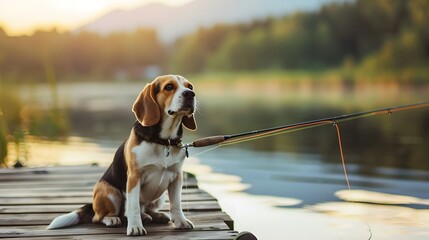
[186,177]
[207,150]
[340,145]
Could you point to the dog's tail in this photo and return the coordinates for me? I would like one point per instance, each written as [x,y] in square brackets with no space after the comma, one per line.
[82,215]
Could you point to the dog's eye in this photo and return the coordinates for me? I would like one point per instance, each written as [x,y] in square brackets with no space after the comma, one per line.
[191,87]
[168,87]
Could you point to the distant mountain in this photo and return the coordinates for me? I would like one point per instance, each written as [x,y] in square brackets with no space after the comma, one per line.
[174,22]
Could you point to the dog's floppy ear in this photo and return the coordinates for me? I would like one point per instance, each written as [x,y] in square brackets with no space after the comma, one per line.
[146,108]
[189,122]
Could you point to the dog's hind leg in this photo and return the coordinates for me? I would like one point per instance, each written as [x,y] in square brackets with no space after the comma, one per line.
[146,218]
[107,204]
[153,208]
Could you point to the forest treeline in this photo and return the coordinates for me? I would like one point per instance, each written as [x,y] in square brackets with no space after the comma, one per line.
[370,34]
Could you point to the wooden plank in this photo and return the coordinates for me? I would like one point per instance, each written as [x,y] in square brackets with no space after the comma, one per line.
[49,177]
[39,208]
[65,208]
[28,219]
[25,219]
[16,194]
[175,235]
[43,189]
[35,183]
[57,172]
[43,200]
[53,177]
[71,192]
[89,229]
[53,169]
[82,199]
[75,183]
[60,186]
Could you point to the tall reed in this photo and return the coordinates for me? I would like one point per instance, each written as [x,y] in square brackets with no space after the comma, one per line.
[3,141]
[10,118]
[18,119]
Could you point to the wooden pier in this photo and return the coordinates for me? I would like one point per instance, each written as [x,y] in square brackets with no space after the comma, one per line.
[31,197]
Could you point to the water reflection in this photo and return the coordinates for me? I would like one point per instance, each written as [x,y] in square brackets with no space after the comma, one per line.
[397,215]
[364,196]
[300,191]
[72,151]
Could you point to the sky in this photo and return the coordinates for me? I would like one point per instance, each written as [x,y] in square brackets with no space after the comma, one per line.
[23,17]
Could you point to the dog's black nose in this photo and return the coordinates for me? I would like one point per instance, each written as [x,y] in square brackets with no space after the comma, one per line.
[188,94]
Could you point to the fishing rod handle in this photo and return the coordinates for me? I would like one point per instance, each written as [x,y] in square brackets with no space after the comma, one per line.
[207,141]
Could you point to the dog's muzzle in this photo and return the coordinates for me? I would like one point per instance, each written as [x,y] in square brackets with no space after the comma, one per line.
[188,101]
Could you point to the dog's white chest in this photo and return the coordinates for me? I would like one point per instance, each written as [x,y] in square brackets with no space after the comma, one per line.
[158,155]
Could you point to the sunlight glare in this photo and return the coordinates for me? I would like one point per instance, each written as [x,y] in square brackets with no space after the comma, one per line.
[21,17]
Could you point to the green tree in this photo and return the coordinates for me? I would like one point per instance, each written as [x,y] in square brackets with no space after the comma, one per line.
[400,52]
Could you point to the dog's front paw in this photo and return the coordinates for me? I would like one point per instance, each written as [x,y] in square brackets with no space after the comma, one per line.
[182,223]
[136,230]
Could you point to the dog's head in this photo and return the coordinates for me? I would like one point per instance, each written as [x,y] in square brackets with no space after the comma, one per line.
[166,96]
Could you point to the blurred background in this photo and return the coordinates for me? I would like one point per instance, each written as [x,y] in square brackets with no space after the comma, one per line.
[70,71]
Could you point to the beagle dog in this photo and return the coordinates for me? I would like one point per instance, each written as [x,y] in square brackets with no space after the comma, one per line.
[146,165]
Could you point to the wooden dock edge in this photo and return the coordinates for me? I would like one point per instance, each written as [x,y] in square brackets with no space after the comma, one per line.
[31,197]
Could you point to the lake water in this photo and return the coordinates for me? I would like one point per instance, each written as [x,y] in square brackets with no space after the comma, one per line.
[285,187]
[287,195]
[298,196]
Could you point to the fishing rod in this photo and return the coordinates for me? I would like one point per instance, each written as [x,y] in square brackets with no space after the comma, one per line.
[222,140]
[256,134]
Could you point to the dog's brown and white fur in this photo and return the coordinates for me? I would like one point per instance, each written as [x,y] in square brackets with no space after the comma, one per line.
[147,164]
